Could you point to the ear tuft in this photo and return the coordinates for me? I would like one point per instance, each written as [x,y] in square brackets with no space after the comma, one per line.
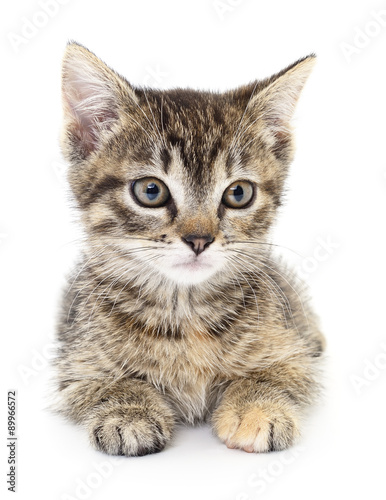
[92,95]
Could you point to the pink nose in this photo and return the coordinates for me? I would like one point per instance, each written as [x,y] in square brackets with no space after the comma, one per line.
[198,243]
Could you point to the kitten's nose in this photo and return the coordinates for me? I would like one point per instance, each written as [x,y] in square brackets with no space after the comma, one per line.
[198,243]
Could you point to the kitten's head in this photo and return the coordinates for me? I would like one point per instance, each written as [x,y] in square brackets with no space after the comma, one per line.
[176,182]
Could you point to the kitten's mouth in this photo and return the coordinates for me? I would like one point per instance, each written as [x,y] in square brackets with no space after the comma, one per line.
[193,265]
[190,269]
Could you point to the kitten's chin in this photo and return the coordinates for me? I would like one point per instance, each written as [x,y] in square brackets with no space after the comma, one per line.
[191,272]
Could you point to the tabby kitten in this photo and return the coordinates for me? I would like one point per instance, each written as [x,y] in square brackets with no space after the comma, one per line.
[178,311]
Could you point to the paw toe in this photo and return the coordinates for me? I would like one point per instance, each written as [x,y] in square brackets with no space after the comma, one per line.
[256,429]
[127,435]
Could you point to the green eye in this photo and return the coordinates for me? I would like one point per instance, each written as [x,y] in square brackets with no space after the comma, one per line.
[238,194]
[150,192]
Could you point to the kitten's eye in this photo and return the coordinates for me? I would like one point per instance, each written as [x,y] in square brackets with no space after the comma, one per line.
[151,192]
[238,194]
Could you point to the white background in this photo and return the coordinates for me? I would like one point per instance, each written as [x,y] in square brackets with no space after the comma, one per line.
[336,197]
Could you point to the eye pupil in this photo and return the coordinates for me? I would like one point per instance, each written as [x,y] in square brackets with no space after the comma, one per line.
[238,192]
[152,191]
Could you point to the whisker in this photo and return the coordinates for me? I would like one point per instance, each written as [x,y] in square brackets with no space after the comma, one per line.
[155,257]
[112,267]
[272,281]
[267,243]
[271,290]
[241,289]
[230,260]
[93,255]
[292,288]
[276,271]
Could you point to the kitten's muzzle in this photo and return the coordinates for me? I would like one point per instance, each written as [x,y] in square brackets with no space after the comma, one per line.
[198,243]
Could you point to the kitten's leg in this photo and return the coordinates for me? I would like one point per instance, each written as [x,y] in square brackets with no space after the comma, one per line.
[262,413]
[127,417]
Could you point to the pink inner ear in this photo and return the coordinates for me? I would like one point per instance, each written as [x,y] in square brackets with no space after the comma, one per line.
[89,106]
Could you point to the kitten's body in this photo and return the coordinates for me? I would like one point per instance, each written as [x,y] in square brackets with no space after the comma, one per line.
[153,333]
[193,343]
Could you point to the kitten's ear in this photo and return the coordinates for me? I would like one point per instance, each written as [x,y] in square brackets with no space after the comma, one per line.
[93,95]
[275,103]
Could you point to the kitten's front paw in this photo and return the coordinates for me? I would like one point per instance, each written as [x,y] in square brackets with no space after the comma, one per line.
[129,430]
[258,427]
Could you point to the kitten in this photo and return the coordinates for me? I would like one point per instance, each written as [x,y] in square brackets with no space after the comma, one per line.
[178,311]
